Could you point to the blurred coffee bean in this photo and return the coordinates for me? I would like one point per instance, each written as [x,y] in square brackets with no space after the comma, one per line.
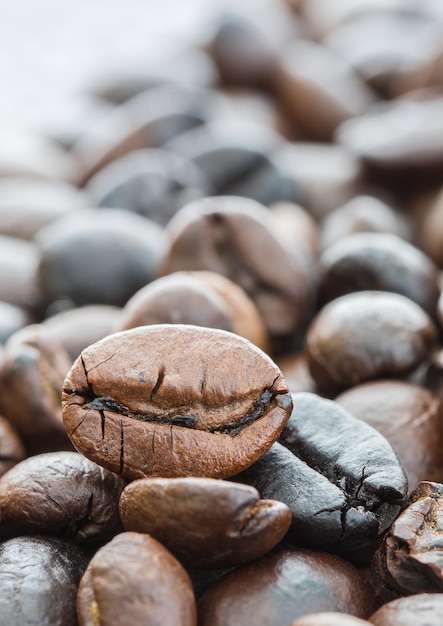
[76,329]
[341,498]
[32,370]
[154,183]
[363,214]
[19,261]
[379,261]
[319,89]
[199,298]
[39,578]
[204,522]
[398,142]
[283,586]
[60,494]
[423,609]
[296,227]
[295,369]
[100,257]
[134,580]
[329,619]
[367,335]
[431,231]
[234,237]
[394,52]
[411,419]
[26,205]
[145,402]
[12,318]
[325,175]
[146,121]
[12,450]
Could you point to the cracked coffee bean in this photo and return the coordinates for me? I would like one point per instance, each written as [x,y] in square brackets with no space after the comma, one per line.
[367,335]
[130,581]
[284,585]
[205,522]
[342,497]
[174,400]
[60,494]
[39,578]
[199,298]
[422,609]
[410,559]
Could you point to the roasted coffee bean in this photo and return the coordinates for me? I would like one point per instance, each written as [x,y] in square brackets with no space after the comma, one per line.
[423,609]
[329,619]
[12,450]
[100,257]
[296,227]
[60,493]
[409,560]
[199,298]
[204,522]
[174,400]
[367,335]
[341,497]
[411,419]
[282,586]
[379,261]
[39,577]
[235,238]
[134,580]
[32,370]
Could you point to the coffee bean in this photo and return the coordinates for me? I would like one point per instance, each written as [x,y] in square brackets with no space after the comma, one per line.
[205,522]
[12,450]
[12,318]
[174,400]
[60,493]
[130,581]
[341,497]
[423,609]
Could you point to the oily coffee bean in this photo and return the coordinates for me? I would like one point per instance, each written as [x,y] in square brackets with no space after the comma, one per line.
[284,585]
[379,261]
[236,239]
[423,609]
[130,581]
[409,560]
[199,298]
[12,450]
[174,400]
[39,577]
[32,370]
[204,522]
[367,335]
[329,619]
[60,493]
[98,257]
[341,497]
[409,416]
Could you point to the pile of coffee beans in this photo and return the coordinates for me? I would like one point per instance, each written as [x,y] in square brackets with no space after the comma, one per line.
[221,328]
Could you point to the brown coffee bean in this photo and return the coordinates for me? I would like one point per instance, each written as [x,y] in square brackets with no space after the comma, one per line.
[367,335]
[134,580]
[60,493]
[12,450]
[329,619]
[283,586]
[205,522]
[423,609]
[200,298]
[411,419]
[296,227]
[174,400]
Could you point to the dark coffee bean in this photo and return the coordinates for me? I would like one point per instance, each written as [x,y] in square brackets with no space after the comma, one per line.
[411,419]
[39,579]
[329,619]
[379,261]
[409,558]
[134,580]
[423,609]
[174,400]
[235,238]
[342,497]
[199,298]
[367,335]
[32,372]
[100,257]
[283,586]
[205,522]
[60,493]
[12,450]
